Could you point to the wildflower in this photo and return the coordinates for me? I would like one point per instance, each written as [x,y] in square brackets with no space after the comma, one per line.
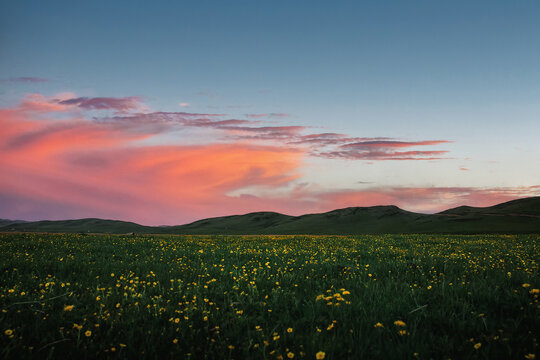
[378,325]
[122,345]
[289,330]
[535,291]
[530,356]
[290,355]
[477,346]
[402,332]
[526,285]
[87,333]
[68,307]
[400,323]
[175,341]
[346,292]
[8,332]
[231,347]
[320,355]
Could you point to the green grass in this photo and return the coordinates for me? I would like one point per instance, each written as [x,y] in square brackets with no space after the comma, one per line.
[215,297]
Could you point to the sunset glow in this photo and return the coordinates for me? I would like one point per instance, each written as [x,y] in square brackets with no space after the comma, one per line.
[174,138]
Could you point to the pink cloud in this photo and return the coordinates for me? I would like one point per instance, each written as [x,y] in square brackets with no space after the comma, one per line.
[79,168]
[385,144]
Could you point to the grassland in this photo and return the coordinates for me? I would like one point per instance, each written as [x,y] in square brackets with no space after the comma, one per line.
[269,297]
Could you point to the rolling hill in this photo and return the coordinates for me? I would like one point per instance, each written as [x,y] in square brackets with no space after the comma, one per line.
[516,216]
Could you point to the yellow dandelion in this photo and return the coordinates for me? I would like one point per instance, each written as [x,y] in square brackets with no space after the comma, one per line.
[530,356]
[477,346]
[87,333]
[535,291]
[320,355]
[68,307]
[378,325]
[8,332]
[290,330]
[231,347]
[290,355]
[175,341]
[526,285]
[402,332]
[400,323]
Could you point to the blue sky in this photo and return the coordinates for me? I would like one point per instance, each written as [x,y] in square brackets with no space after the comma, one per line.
[465,72]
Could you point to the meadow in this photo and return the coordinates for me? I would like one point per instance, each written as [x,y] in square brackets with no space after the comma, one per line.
[269,297]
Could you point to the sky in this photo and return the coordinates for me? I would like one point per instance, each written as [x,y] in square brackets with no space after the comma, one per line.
[172,111]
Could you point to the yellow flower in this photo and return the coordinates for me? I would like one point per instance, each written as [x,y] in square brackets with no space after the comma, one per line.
[87,333]
[320,355]
[400,323]
[530,356]
[346,292]
[122,345]
[289,330]
[68,307]
[535,291]
[175,341]
[526,285]
[231,347]
[290,355]
[378,325]
[8,332]
[477,346]
[402,332]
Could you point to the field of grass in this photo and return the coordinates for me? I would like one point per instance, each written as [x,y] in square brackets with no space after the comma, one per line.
[269,297]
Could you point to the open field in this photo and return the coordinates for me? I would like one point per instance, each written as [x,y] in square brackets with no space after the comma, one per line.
[269,297]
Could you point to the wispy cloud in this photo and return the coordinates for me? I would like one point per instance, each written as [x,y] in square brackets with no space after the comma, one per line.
[121,104]
[25,79]
[269,115]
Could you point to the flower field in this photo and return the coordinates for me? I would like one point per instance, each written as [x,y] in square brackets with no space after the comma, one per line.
[269,297]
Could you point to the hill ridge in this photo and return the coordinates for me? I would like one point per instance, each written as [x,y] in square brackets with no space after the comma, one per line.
[515,216]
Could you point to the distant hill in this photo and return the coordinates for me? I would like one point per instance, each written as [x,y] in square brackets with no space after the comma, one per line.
[512,217]
[6,222]
[528,206]
[79,225]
